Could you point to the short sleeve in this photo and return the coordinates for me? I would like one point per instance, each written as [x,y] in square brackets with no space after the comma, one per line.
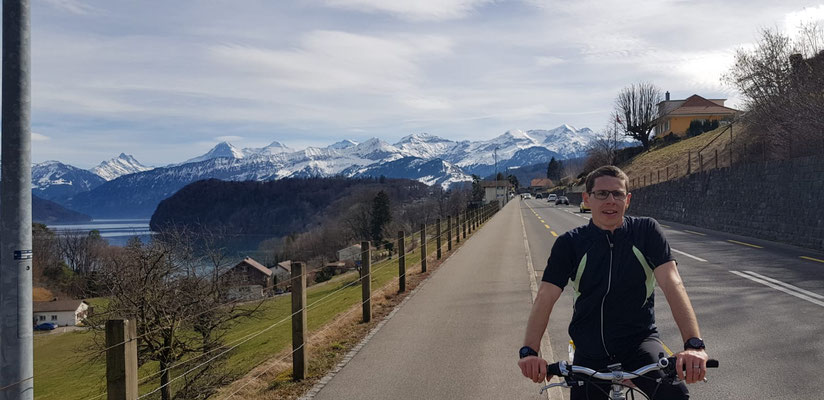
[657,248]
[561,262]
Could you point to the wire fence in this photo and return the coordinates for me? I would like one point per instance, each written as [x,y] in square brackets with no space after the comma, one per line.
[466,224]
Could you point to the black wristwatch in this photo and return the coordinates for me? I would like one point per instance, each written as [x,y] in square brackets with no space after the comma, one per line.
[694,343]
[527,351]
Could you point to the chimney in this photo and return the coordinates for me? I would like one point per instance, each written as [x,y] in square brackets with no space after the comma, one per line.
[667,96]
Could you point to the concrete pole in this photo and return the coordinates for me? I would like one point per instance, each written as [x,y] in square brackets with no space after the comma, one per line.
[16,340]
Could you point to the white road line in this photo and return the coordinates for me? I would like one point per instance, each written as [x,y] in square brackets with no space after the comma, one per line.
[779,287]
[689,255]
[786,285]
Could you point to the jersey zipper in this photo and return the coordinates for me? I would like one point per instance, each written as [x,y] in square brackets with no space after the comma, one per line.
[609,285]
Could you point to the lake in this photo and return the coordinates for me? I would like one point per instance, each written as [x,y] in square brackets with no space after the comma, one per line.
[116,231]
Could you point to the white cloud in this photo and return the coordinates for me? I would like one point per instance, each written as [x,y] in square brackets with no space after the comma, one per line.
[73,6]
[236,139]
[796,19]
[37,137]
[437,10]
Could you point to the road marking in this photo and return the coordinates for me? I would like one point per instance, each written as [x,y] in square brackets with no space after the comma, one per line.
[744,244]
[546,346]
[812,259]
[695,233]
[786,285]
[553,233]
[689,255]
[547,226]
[666,226]
[756,278]
[542,221]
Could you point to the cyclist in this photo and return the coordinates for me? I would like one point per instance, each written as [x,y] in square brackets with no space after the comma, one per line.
[613,264]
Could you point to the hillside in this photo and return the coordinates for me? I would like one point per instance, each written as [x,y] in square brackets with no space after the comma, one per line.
[275,207]
[688,155]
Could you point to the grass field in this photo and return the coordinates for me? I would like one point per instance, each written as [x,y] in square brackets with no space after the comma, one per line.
[65,369]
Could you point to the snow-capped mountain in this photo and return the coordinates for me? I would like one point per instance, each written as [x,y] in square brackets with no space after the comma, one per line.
[123,164]
[53,180]
[222,150]
[426,158]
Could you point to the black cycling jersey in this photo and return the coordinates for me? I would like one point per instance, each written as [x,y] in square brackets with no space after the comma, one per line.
[612,275]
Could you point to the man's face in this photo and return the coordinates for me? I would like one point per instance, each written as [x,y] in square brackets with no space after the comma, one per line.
[608,212]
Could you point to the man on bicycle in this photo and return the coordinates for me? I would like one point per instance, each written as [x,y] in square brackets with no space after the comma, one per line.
[613,264]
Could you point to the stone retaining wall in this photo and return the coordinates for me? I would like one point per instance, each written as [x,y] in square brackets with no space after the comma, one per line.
[782,201]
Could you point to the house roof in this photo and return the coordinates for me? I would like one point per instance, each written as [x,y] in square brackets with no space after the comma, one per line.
[544,182]
[256,265]
[287,265]
[697,105]
[56,305]
[495,183]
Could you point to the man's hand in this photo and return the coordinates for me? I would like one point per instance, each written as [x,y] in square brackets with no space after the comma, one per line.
[533,368]
[691,365]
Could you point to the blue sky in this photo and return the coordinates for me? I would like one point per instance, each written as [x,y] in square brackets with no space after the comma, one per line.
[167,80]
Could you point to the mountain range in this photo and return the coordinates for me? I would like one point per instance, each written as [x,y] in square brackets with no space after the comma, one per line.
[124,188]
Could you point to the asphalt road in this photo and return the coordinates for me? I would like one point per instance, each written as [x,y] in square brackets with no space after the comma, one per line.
[760,305]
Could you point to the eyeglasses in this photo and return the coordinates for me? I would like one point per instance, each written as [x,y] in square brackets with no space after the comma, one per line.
[618,195]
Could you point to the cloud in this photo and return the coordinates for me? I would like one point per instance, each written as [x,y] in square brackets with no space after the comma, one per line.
[230,139]
[435,10]
[73,6]
[37,137]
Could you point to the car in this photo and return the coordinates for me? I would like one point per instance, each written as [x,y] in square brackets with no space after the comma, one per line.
[45,326]
[538,196]
[562,200]
[552,197]
[527,196]
[584,207]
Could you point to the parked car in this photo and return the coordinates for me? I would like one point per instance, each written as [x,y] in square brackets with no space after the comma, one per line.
[562,200]
[538,196]
[527,196]
[584,207]
[45,326]
[552,197]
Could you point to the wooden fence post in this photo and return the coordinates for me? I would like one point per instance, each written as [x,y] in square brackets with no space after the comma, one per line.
[121,359]
[465,217]
[458,228]
[438,237]
[366,280]
[423,248]
[448,233]
[401,262]
[300,365]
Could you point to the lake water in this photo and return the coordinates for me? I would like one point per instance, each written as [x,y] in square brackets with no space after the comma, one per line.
[116,231]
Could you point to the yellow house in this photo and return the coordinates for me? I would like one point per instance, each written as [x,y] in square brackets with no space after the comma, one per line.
[675,115]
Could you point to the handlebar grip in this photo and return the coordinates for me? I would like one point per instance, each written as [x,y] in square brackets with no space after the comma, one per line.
[553,369]
[712,363]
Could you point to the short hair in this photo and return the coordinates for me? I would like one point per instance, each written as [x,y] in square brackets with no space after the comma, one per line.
[606,170]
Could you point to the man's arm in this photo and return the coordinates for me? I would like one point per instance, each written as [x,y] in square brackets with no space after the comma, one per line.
[673,287]
[534,367]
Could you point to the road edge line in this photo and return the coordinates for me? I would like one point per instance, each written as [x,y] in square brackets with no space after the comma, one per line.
[546,346]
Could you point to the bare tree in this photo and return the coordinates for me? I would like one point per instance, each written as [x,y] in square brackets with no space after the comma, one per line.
[175,289]
[637,107]
[781,82]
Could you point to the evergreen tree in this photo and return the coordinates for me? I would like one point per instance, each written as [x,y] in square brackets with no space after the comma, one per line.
[553,170]
[381,215]
[500,176]
[514,181]
[477,190]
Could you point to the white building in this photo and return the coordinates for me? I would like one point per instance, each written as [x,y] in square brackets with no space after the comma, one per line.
[60,312]
[496,191]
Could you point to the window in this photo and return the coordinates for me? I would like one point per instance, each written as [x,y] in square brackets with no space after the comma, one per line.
[54,318]
[41,318]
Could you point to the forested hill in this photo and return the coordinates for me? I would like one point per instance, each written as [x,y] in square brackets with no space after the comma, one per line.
[274,207]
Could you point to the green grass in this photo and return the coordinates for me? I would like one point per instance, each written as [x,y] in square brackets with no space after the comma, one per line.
[64,371]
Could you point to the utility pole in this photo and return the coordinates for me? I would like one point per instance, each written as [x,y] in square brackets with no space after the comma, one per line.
[495,156]
[16,341]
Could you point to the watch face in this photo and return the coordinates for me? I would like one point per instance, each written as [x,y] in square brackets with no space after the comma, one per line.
[695,343]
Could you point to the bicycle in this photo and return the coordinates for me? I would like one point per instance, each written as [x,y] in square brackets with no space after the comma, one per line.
[578,376]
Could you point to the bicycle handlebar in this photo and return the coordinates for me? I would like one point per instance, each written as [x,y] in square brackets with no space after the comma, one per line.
[562,368]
